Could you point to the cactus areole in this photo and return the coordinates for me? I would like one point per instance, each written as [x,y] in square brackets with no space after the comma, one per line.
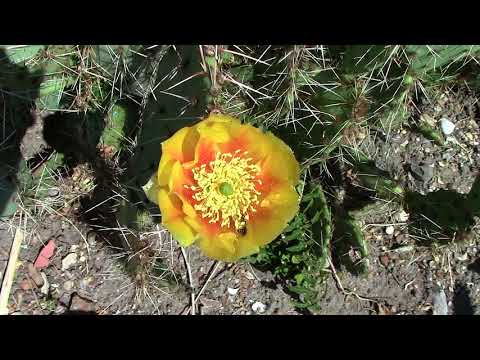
[227,187]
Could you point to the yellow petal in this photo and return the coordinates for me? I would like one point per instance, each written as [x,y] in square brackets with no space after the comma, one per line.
[173,218]
[273,214]
[223,247]
[180,231]
[222,119]
[280,162]
[246,244]
[187,208]
[165,169]
[216,128]
[170,205]
[181,146]
[151,189]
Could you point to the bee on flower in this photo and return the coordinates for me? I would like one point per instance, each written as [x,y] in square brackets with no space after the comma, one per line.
[227,187]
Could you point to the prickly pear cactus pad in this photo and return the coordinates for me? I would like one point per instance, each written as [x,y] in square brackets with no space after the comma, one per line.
[227,187]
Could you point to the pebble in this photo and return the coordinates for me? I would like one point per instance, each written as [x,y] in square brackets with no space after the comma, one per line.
[91,237]
[84,283]
[232,291]
[68,285]
[59,310]
[53,192]
[402,216]
[440,306]
[404,249]
[384,260]
[463,257]
[211,303]
[78,303]
[46,286]
[259,307]
[447,126]
[389,230]
[68,261]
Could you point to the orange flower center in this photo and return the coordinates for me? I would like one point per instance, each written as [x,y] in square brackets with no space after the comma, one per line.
[225,189]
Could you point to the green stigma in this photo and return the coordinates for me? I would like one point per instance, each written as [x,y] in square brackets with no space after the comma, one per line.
[225,189]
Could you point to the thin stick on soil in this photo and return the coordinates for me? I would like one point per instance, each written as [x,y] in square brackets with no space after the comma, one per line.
[342,289]
[215,266]
[190,281]
[10,272]
[213,270]
[450,271]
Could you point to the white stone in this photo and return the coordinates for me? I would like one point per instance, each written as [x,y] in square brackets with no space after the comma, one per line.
[447,126]
[232,291]
[46,286]
[68,261]
[259,307]
[440,306]
[68,285]
[402,216]
[463,257]
[389,230]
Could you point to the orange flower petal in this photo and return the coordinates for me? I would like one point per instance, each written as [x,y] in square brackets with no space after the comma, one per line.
[205,152]
[247,138]
[179,177]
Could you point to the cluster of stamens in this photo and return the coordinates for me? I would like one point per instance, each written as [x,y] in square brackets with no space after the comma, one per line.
[225,189]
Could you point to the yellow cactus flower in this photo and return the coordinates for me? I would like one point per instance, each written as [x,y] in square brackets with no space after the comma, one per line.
[227,187]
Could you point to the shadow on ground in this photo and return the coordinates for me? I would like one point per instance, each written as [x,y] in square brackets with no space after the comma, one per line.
[462,303]
[444,214]
[19,89]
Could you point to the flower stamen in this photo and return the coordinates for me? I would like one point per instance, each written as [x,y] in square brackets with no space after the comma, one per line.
[226,190]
